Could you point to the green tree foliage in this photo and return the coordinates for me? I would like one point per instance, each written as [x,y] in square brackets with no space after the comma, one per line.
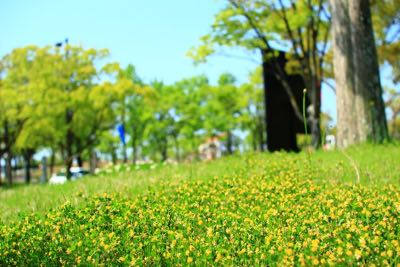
[299,27]
[69,100]
[253,113]
[54,98]
[386,22]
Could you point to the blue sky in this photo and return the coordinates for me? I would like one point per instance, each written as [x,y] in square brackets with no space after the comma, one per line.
[153,35]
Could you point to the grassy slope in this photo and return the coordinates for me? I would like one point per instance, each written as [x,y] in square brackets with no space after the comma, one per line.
[254,210]
[376,164]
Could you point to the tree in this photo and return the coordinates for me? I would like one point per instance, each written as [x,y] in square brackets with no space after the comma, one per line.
[222,109]
[17,95]
[361,114]
[136,114]
[252,117]
[190,96]
[162,122]
[386,22]
[300,27]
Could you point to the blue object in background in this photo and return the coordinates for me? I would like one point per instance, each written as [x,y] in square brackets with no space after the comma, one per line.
[121,132]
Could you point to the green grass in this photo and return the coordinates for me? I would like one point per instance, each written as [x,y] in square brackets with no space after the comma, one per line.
[243,210]
[377,165]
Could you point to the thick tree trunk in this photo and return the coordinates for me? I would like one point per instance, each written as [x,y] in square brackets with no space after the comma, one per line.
[346,97]
[360,110]
[371,108]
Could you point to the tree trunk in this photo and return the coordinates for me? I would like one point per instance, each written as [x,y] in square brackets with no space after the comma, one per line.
[9,177]
[229,143]
[360,109]
[177,148]
[125,155]
[260,130]
[52,161]
[8,154]
[315,115]
[79,160]
[93,161]
[113,156]
[135,153]
[371,108]
[134,145]
[27,155]
[69,143]
[164,150]
[1,170]
[254,139]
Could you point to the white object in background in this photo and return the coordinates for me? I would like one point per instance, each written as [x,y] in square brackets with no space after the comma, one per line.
[330,142]
[57,179]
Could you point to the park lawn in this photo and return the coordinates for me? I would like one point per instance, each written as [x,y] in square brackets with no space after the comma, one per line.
[308,208]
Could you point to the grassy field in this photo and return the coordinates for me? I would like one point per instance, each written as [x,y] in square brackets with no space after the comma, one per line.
[318,208]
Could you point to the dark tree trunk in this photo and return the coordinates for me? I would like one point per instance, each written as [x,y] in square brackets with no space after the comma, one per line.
[254,139]
[1,171]
[125,155]
[164,150]
[134,153]
[52,161]
[314,117]
[79,160]
[69,144]
[27,166]
[229,143]
[177,149]
[8,153]
[113,155]
[9,176]
[134,145]
[261,133]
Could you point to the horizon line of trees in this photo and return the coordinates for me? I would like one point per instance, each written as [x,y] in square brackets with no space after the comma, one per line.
[69,100]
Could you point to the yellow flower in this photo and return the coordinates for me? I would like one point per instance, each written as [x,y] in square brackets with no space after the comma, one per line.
[357,254]
[349,253]
[189,260]
[289,251]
